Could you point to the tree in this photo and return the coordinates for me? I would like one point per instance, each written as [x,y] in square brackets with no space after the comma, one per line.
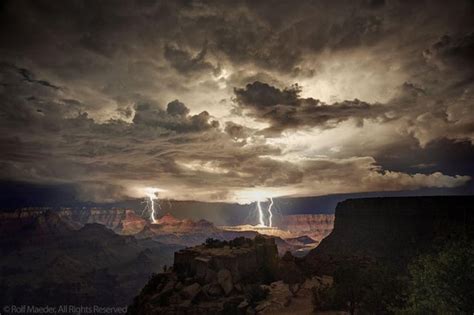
[443,282]
[373,288]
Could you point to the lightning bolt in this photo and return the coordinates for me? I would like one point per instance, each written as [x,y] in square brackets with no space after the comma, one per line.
[151,195]
[261,219]
[270,214]
[260,214]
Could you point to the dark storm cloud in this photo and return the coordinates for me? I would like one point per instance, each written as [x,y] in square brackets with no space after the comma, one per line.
[453,157]
[85,91]
[185,63]
[28,76]
[175,117]
[273,34]
[285,109]
[453,52]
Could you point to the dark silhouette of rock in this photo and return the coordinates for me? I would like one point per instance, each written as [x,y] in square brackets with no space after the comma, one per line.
[395,229]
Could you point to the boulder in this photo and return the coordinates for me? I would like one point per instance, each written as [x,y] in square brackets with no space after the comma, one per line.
[211,276]
[191,291]
[224,278]
[243,305]
[185,304]
[238,287]
[250,311]
[213,290]
[179,286]
[169,286]
[260,307]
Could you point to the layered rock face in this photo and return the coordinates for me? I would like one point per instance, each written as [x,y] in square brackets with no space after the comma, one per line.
[392,228]
[123,221]
[111,218]
[316,226]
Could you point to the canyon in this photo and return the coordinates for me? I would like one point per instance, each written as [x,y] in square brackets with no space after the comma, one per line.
[48,259]
[247,276]
[104,255]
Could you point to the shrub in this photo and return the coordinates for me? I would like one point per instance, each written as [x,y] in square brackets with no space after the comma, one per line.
[443,282]
[368,289]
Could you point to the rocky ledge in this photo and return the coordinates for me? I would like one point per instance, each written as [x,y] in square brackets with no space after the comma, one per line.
[218,277]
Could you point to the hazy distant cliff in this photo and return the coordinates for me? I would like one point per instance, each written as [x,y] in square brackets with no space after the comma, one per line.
[394,228]
[317,226]
[121,220]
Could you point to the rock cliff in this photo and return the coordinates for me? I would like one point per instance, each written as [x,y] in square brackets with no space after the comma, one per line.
[243,261]
[218,277]
[391,228]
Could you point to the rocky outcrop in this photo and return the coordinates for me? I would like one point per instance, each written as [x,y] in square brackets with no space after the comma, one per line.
[242,261]
[214,278]
[391,228]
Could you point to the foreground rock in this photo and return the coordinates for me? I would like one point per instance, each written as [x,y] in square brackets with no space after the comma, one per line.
[213,278]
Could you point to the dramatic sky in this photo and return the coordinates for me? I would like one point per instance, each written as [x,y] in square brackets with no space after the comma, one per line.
[237,100]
